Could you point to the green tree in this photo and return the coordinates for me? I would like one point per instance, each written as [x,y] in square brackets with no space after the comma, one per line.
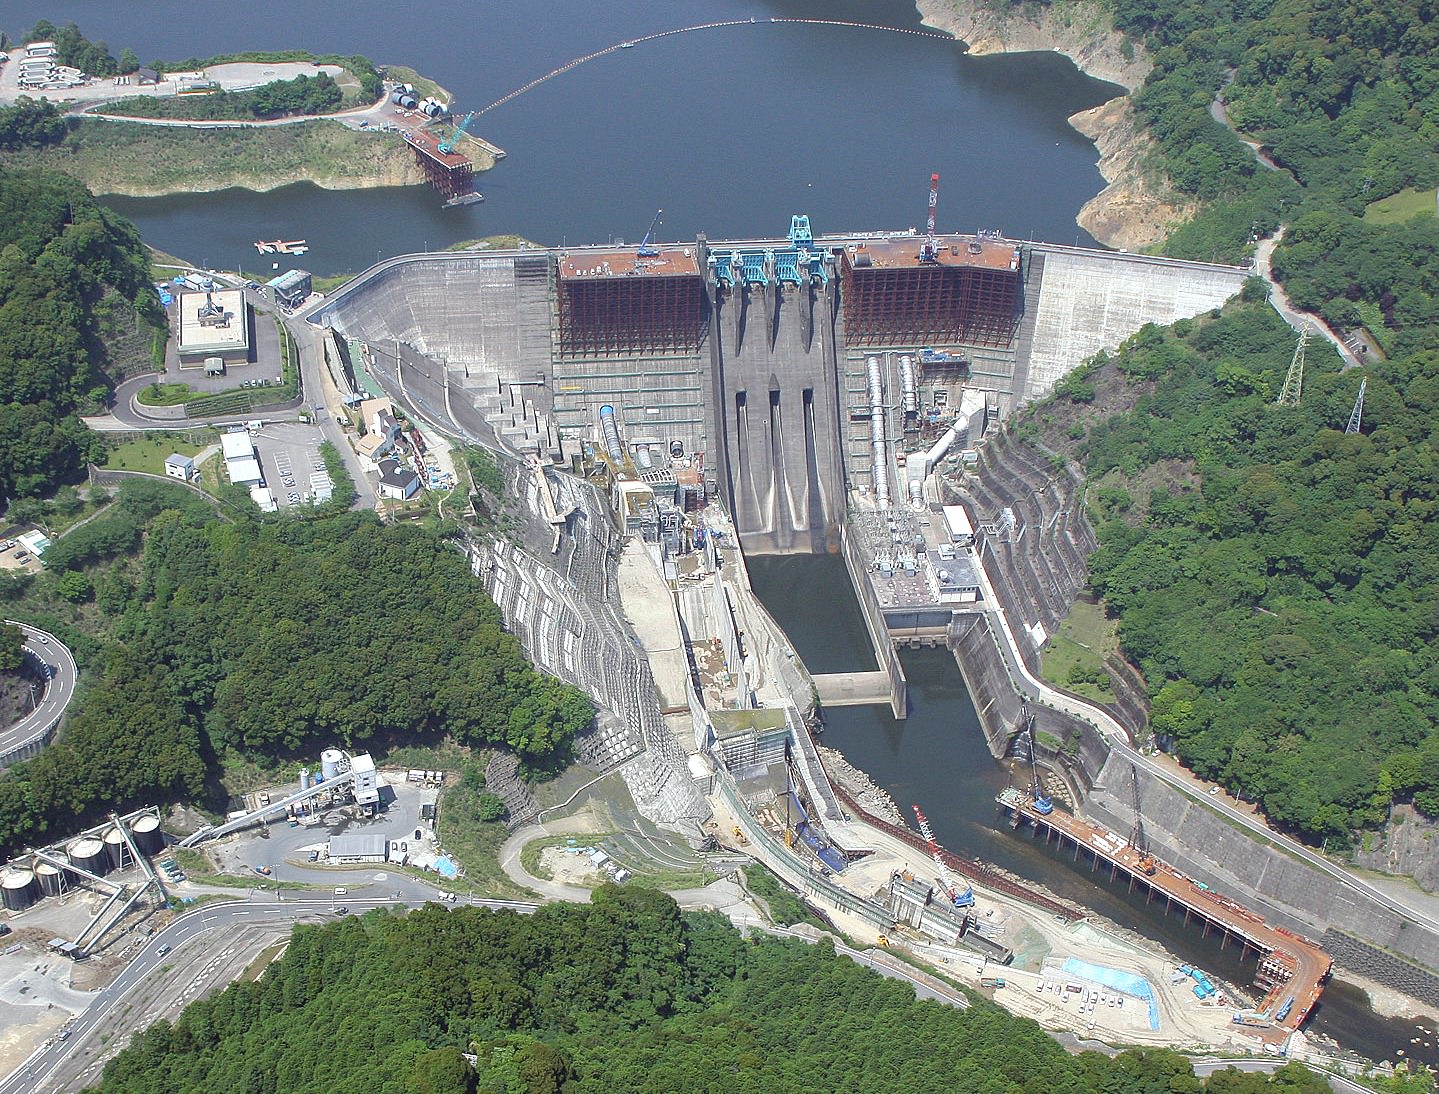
[12,647]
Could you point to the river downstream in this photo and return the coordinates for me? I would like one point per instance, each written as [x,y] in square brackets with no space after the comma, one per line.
[937,758]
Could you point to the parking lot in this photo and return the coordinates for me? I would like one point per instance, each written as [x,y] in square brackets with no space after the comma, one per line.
[289,455]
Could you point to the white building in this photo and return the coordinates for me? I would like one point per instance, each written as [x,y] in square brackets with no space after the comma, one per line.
[367,789]
[180,467]
[397,481]
[240,461]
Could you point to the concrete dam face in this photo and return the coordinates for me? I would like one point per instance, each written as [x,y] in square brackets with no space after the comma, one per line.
[744,370]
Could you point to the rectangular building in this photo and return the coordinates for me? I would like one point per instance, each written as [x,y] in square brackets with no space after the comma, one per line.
[291,289]
[367,787]
[358,848]
[213,324]
[617,302]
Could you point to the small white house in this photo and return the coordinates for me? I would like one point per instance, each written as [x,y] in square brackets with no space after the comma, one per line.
[397,481]
[180,467]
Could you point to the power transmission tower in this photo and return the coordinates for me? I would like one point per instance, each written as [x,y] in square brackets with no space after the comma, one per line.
[1294,380]
[1358,412]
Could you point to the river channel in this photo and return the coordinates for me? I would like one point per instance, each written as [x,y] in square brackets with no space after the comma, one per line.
[730,131]
[937,758]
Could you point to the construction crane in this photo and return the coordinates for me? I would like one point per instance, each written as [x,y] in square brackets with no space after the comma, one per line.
[448,145]
[1043,804]
[960,898]
[1136,838]
[929,249]
[648,249]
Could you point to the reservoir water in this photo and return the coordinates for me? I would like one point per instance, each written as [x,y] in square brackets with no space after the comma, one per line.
[938,759]
[729,131]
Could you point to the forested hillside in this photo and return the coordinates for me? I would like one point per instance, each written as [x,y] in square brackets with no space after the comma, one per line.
[69,270]
[1344,96]
[274,639]
[1278,590]
[622,995]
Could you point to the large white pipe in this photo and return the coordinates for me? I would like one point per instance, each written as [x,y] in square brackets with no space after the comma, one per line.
[907,384]
[941,446]
[878,445]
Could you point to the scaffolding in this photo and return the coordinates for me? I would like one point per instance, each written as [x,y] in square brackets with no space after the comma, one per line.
[929,304]
[617,305]
[448,172]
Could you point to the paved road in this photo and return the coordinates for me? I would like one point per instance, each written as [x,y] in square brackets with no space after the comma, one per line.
[60,689]
[1030,685]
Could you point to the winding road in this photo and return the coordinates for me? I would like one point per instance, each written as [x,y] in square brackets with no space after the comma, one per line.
[32,732]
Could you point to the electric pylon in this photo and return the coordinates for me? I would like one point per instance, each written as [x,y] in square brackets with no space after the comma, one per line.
[1294,380]
[1357,414]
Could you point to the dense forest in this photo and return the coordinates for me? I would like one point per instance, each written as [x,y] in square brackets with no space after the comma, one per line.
[1278,589]
[625,994]
[273,638]
[317,94]
[1344,98]
[67,266]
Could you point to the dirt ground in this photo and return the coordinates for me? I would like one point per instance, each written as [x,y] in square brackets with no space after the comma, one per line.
[570,869]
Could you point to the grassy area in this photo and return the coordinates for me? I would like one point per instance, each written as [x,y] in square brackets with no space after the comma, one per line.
[474,843]
[147,161]
[424,86]
[264,959]
[149,454]
[1074,657]
[327,285]
[1401,207]
[165,394]
[785,908]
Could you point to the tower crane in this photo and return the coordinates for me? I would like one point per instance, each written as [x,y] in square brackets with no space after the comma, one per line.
[647,249]
[929,249]
[1136,839]
[448,145]
[959,898]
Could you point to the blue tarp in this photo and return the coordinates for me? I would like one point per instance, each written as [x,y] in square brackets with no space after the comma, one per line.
[827,855]
[1127,982]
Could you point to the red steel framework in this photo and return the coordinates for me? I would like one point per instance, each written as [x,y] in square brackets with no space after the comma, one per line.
[602,316]
[929,305]
[448,172]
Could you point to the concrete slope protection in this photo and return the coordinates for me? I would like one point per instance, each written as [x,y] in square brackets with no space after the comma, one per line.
[53,661]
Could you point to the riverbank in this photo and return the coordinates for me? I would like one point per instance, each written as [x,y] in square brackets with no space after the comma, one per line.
[1138,207]
[136,160]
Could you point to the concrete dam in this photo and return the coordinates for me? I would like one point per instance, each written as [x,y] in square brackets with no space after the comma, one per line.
[746,364]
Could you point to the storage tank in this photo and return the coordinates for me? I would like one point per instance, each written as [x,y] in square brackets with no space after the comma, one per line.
[89,854]
[51,878]
[148,836]
[115,846]
[408,102]
[19,888]
[304,778]
[331,761]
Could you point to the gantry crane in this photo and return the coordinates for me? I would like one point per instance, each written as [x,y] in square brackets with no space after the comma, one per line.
[960,898]
[929,249]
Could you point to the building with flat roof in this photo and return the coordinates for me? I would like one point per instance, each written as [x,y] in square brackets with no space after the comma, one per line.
[367,786]
[213,324]
[292,288]
[358,848]
[236,445]
[180,467]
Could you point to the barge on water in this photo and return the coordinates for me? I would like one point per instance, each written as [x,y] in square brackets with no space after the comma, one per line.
[1292,969]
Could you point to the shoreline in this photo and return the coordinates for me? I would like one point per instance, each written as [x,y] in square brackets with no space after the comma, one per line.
[1137,208]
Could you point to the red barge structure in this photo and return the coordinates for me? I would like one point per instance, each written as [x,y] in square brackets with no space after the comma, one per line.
[1292,969]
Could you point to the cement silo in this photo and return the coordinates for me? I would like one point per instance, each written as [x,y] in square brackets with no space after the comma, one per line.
[18,888]
[331,762]
[147,834]
[51,878]
[115,848]
[89,854]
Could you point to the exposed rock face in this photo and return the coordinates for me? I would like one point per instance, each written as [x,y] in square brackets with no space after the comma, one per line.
[1081,31]
[1409,845]
[1139,207]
